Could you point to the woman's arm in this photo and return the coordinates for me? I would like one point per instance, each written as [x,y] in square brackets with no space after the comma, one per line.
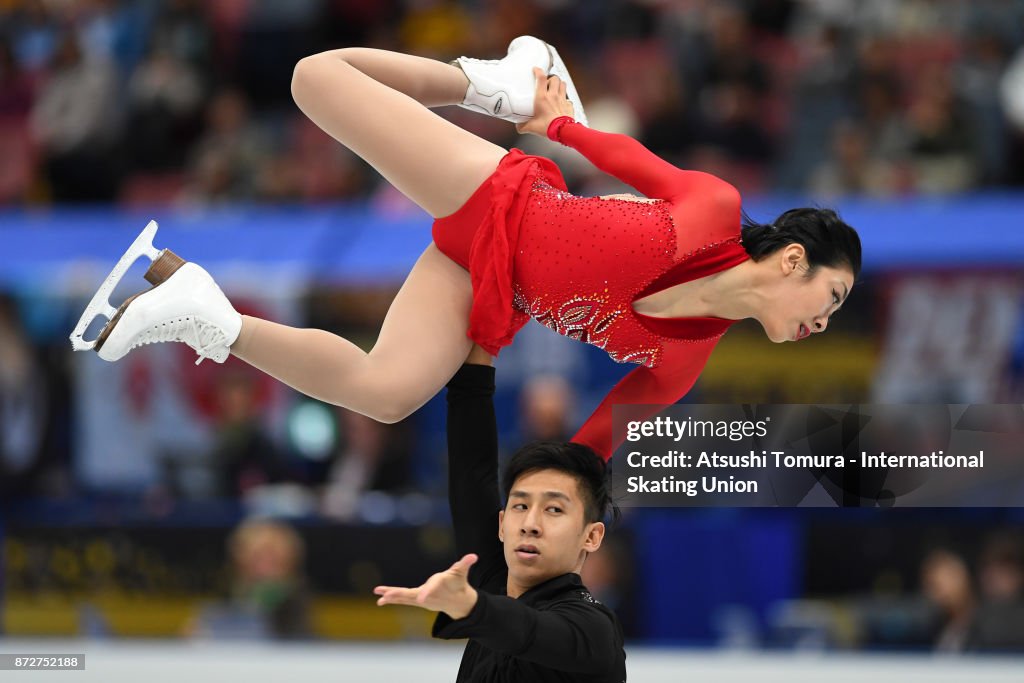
[681,365]
[626,159]
[619,155]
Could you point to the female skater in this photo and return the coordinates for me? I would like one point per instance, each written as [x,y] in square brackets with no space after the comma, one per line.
[653,281]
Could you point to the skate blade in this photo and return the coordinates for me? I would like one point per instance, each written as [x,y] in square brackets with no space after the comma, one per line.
[559,69]
[99,305]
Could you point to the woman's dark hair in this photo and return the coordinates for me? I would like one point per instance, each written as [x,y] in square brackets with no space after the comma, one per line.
[828,240]
[576,460]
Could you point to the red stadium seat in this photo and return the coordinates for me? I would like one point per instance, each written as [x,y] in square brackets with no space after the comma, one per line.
[17,159]
[152,188]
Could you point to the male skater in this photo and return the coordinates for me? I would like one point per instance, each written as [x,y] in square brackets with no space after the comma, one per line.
[518,596]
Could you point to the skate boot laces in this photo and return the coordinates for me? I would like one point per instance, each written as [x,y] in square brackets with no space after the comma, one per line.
[206,339]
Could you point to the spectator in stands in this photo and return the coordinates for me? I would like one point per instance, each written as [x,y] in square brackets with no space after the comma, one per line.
[228,156]
[17,156]
[23,407]
[878,99]
[15,86]
[942,144]
[733,85]
[672,126]
[110,31]
[307,169]
[268,559]
[34,33]
[76,122]
[273,36]
[730,59]
[758,78]
[244,455]
[822,72]
[269,598]
[772,16]
[734,125]
[977,78]
[999,621]
[373,457]
[850,169]
[1001,569]
[946,584]
[184,32]
[608,573]
[164,104]
[546,408]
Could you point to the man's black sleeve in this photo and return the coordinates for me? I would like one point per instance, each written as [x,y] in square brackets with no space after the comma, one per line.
[473,473]
[573,635]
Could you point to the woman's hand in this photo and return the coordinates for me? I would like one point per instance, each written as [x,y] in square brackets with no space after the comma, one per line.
[448,591]
[550,102]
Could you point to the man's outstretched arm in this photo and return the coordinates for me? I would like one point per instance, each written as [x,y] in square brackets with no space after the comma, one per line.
[573,635]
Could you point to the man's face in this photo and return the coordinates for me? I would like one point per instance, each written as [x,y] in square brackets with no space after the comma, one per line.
[543,529]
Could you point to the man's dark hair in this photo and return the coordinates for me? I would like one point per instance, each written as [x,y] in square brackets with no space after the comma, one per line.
[829,241]
[576,460]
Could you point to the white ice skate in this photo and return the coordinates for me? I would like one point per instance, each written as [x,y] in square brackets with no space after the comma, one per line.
[504,88]
[184,305]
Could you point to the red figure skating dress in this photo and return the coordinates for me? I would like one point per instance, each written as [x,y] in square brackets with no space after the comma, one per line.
[577,264]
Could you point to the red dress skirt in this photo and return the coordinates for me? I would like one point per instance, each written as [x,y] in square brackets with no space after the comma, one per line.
[482,237]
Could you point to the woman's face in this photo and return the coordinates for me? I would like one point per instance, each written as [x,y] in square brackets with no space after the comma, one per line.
[803,301]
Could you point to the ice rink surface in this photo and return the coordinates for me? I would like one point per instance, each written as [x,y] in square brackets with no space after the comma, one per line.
[167,662]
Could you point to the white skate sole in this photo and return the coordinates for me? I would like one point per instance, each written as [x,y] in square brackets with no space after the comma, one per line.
[559,69]
[164,264]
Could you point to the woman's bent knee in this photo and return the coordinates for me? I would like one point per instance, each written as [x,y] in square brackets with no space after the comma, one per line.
[301,78]
[312,73]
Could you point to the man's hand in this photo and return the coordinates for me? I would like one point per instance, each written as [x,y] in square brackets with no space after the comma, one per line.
[448,591]
[549,103]
[477,356]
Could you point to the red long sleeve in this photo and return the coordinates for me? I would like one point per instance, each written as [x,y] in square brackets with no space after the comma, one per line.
[628,160]
[704,208]
[658,387]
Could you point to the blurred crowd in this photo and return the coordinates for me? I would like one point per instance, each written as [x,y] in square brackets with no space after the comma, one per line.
[983,612]
[949,596]
[141,101]
[188,102]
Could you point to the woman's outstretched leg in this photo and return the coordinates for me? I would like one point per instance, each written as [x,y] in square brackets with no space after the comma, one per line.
[375,103]
[435,163]
[421,345]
